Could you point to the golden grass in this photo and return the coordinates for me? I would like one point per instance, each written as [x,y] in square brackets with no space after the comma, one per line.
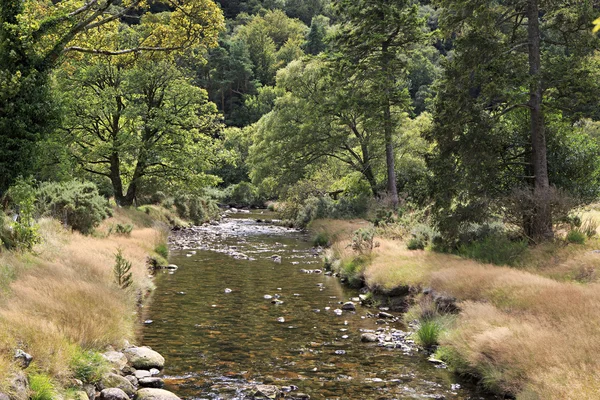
[64,296]
[532,331]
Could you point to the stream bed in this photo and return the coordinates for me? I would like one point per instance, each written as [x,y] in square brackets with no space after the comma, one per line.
[241,310]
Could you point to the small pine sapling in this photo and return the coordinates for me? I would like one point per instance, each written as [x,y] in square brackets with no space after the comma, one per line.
[122,270]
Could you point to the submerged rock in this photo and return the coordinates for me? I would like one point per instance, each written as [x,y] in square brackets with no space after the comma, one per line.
[144,358]
[369,338]
[149,382]
[349,306]
[155,394]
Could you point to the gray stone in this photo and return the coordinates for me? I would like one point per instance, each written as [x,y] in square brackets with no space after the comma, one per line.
[23,358]
[113,394]
[154,371]
[151,383]
[111,380]
[144,358]
[172,267]
[90,390]
[383,314]
[4,396]
[132,379]
[270,392]
[116,358]
[300,396]
[142,373]
[349,306]
[369,338]
[19,387]
[155,394]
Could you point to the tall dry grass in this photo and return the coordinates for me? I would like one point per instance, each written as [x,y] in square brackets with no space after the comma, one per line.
[63,296]
[531,331]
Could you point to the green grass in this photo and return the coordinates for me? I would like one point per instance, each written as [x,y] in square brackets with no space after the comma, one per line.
[576,237]
[428,333]
[495,249]
[162,250]
[89,366]
[42,387]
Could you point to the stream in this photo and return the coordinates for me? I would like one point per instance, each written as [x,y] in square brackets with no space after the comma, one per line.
[234,315]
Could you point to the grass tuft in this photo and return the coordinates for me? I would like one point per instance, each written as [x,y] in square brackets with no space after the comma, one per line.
[42,387]
[89,366]
[428,333]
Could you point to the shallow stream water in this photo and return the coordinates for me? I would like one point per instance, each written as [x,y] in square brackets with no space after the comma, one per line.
[220,335]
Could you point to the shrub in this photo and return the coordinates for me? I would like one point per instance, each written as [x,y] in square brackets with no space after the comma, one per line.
[121,229]
[415,244]
[352,271]
[41,387]
[321,239]
[496,249]
[575,236]
[20,232]
[243,194]
[363,240]
[76,204]
[197,209]
[428,333]
[422,235]
[122,271]
[89,366]
[158,197]
[314,208]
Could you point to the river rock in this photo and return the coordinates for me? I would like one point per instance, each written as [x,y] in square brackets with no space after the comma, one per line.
[132,379]
[116,358]
[383,314]
[113,394]
[141,373]
[154,371]
[23,358]
[150,382]
[299,396]
[144,358]
[270,392]
[369,338]
[155,394]
[5,397]
[172,267]
[349,306]
[111,380]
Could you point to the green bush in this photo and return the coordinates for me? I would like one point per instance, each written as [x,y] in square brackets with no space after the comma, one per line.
[197,209]
[321,239]
[422,235]
[363,240]
[41,387]
[428,333]
[314,208]
[121,229]
[21,231]
[76,204]
[244,194]
[496,249]
[415,244]
[575,236]
[352,271]
[89,366]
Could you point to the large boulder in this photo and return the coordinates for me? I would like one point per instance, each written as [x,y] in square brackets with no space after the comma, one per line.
[266,392]
[144,358]
[111,380]
[113,394]
[116,358]
[155,394]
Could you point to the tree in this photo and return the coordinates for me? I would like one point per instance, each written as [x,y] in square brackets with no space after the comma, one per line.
[35,35]
[512,63]
[319,115]
[130,122]
[315,40]
[373,41]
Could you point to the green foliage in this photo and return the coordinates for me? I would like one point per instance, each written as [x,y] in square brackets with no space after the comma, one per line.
[121,229]
[321,239]
[243,194]
[76,204]
[314,208]
[363,240]
[352,270]
[496,249]
[195,208]
[575,236]
[122,271]
[20,232]
[162,249]
[428,333]
[422,236]
[42,387]
[88,366]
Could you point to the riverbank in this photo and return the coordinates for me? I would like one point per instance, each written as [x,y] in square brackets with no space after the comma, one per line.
[529,331]
[61,305]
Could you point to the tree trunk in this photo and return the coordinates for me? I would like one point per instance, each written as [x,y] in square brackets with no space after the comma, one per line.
[115,178]
[367,169]
[388,128]
[542,215]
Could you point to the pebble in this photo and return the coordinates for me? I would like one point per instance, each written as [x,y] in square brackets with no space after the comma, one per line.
[227,290]
[281,319]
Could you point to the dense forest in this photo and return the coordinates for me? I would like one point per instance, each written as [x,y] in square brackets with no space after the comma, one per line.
[473,124]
